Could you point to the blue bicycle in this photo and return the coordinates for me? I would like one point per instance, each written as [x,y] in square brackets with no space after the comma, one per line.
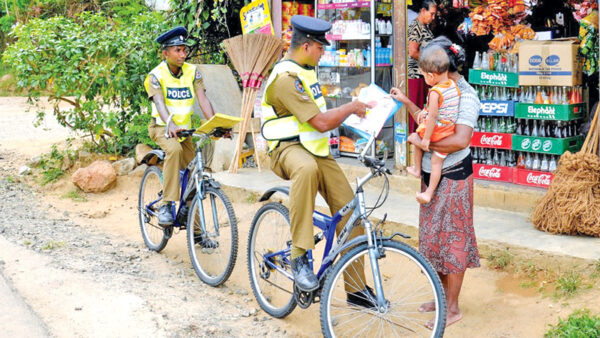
[402,280]
[204,210]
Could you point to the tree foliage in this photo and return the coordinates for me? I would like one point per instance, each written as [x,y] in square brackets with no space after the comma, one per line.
[94,64]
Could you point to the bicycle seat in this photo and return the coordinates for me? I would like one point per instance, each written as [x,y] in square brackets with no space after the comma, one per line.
[154,157]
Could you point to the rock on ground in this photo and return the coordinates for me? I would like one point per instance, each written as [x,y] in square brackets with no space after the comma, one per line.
[24,170]
[138,171]
[123,167]
[98,177]
[140,151]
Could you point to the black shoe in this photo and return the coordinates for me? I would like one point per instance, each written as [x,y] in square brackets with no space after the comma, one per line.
[165,218]
[205,242]
[365,298]
[303,276]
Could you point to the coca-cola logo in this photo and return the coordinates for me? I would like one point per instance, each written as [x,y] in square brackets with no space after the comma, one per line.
[541,179]
[493,140]
[536,145]
[525,144]
[489,172]
[547,146]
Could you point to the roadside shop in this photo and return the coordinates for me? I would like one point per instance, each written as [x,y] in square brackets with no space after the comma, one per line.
[533,63]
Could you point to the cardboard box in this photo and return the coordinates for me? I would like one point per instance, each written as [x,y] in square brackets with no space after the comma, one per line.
[549,63]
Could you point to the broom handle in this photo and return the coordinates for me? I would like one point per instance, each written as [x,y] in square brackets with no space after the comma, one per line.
[255,150]
[591,132]
[243,129]
[233,165]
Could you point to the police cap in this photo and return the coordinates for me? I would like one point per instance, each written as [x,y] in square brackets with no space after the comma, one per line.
[313,28]
[175,37]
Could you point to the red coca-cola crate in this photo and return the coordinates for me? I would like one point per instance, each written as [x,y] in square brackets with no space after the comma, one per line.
[532,178]
[491,140]
[493,172]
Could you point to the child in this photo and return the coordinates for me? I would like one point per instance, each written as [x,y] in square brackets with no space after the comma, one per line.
[438,118]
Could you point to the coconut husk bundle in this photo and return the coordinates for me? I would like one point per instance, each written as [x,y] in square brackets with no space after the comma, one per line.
[252,55]
[572,203]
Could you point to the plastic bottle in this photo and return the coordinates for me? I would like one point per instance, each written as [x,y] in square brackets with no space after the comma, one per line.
[389,27]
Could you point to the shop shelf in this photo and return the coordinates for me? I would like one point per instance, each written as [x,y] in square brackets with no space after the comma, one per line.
[532,178]
[493,172]
[491,140]
[377,65]
[556,112]
[343,5]
[497,108]
[546,145]
[342,37]
[493,78]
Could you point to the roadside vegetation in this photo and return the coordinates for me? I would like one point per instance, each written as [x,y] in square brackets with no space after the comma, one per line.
[580,323]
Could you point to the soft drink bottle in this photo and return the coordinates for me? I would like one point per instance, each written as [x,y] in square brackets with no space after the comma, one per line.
[494,125]
[535,165]
[488,157]
[545,98]
[544,165]
[496,158]
[552,164]
[528,161]
[519,130]
[485,61]
[526,130]
[539,99]
[558,129]
[477,61]
[542,129]
[503,158]
[501,124]
[521,161]
[488,124]
[534,129]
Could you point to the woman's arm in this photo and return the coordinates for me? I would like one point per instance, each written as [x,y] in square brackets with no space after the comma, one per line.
[453,143]
[414,49]
[412,108]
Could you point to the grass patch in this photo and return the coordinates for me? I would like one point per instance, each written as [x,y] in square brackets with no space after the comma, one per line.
[500,260]
[52,164]
[53,245]
[252,198]
[10,179]
[27,243]
[579,324]
[75,195]
[569,283]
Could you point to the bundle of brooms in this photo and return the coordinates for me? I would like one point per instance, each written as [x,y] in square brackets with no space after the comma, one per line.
[572,203]
[252,55]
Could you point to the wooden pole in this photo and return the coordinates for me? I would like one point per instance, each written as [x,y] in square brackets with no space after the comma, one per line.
[400,78]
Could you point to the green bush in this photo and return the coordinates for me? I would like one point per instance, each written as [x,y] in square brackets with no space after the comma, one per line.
[580,324]
[97,66]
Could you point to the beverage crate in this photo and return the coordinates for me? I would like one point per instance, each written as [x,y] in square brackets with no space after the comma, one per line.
[532,178]
[546,145]
[493,78]
[556,112]
[484,139]
[493,172]
[497,108]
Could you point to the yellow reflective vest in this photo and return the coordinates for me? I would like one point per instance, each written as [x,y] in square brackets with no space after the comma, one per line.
[178,93]
[276,129]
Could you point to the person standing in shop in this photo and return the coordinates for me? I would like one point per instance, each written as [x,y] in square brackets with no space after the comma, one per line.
[446,233]
[419,35]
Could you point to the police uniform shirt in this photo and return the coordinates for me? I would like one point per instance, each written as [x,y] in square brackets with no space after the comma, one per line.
[288,97]
[155,87]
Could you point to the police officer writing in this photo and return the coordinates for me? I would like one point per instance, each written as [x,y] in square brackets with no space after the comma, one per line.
[296,123]
[173,86]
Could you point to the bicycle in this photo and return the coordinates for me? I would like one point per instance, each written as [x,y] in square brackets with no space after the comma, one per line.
[401,277]
[212,244]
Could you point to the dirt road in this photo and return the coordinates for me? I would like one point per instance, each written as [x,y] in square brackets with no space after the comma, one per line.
[82,269]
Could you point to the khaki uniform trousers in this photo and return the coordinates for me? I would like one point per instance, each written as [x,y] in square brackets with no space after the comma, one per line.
[310,174]
[177,156]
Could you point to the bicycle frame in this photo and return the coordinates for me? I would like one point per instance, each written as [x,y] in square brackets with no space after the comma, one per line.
[328,226]
[192,175]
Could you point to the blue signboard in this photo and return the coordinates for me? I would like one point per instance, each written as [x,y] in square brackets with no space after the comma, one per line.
[497,108]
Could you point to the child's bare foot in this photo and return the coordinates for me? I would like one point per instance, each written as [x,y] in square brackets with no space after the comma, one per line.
[424,197]
[414,171]
[427,307]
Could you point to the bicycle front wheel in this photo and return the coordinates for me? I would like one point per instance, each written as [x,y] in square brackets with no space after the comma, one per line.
[408,281]
[149,199]
[269,260]
[212,252]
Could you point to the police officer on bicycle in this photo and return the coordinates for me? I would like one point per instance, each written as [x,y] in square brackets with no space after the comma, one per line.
[173,86]
[296,122]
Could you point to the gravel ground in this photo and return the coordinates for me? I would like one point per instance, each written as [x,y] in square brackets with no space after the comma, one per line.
[98,284]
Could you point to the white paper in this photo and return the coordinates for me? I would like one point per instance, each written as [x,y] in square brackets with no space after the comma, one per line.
[384,107]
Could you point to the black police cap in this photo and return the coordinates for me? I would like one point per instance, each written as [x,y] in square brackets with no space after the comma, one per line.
[313,28]
[175,37]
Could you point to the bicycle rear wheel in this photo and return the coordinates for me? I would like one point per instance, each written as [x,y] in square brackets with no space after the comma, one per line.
[213,252]
[270,234]
[408,281]
[148,202]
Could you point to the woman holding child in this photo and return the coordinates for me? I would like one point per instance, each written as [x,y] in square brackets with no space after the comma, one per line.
[446,233]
